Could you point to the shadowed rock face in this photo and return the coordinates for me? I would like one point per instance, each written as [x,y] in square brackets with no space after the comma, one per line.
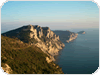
[81,32]
[66,36]
[41,37]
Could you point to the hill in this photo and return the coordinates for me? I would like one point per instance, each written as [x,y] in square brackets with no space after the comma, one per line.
[18,57]
[41,37]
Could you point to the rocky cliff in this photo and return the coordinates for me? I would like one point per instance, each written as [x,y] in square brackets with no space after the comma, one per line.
[72,37]
[41,37]
[66,36]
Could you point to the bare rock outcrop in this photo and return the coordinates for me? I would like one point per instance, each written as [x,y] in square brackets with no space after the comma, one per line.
[72,37]
[7,69]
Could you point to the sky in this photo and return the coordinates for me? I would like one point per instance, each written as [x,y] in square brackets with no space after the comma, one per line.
[58,15]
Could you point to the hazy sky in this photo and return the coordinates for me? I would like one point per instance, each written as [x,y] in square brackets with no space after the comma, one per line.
[54,14]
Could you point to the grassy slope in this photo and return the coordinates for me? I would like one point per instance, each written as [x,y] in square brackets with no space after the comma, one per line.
[25,59]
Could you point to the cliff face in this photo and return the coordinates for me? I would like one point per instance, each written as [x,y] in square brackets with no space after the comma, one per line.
[72,36]
[41,37]
[66,36]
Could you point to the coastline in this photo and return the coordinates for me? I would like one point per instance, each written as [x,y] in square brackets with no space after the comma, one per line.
[72,37]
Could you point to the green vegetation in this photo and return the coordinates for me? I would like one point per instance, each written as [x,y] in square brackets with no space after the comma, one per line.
[22,35]
[25,37]
[24,58]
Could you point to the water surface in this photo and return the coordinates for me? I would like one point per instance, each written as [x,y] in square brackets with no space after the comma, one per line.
[82,55]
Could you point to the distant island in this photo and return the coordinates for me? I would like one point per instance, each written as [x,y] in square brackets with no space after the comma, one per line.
[82,32]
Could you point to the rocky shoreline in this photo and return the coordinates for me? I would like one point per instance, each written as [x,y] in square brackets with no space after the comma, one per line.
[72,37]
[66,36]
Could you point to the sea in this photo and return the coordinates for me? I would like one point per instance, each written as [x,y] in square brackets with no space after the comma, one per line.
[80,56]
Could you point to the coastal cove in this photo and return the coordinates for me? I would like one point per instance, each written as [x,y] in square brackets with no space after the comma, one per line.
[80,56]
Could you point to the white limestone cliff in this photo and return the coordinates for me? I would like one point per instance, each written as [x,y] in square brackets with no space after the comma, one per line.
[51,45]
[72,37]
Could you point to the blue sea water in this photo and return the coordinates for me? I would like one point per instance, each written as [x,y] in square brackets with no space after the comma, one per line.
[82,55]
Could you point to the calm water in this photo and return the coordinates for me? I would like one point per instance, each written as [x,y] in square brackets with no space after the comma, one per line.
[82,55]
